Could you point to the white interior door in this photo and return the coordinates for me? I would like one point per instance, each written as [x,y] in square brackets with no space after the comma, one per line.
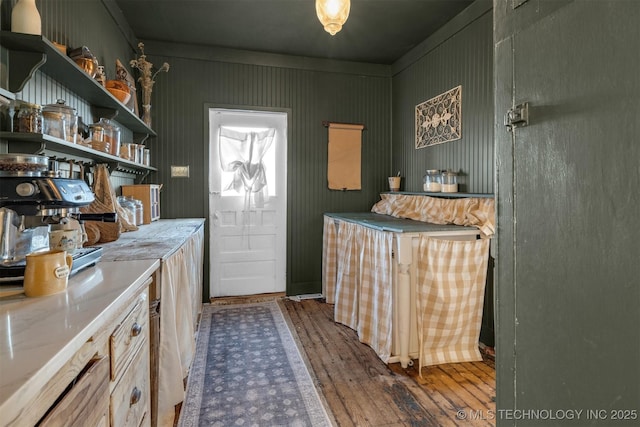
[247,201]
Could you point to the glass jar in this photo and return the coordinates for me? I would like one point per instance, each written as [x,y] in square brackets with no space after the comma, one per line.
[139,209]
[133,152]
[98,138]
[96,133]
[449,182]
[432,181]
[129,207]
[125,151]
[60,121]
[147,157]
[27,118]
[54,124]
[111,135]
[140,153]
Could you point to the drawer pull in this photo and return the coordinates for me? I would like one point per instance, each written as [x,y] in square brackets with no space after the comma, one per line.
[135,330]
[136,394]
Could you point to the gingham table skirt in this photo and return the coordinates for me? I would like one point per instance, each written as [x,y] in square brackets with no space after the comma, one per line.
[358,278]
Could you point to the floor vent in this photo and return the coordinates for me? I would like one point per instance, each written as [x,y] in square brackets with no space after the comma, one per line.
[305,296]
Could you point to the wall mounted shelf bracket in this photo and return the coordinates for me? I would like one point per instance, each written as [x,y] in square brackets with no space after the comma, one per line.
[23,66]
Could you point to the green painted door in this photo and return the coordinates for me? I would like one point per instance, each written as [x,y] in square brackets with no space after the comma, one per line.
[568,200]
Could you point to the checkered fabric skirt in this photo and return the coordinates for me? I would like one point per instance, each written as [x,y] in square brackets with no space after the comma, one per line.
[357,278]
[450,297]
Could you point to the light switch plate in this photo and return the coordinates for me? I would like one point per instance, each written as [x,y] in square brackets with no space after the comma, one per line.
[179,171]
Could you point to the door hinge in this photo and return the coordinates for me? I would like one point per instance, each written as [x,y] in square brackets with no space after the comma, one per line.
[517,117]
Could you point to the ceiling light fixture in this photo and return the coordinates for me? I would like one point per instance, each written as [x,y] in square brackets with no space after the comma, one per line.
[333,14]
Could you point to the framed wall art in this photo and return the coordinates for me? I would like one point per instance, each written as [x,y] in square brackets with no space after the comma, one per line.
[439,119]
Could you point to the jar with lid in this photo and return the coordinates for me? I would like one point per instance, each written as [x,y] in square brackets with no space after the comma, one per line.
[135,152]
[139,206]
[432,181]
[27,117]
[449,181]
[140,154]
[98,140]
[127,151]
[111,135]
[129,207]
[60,121]
[96,132]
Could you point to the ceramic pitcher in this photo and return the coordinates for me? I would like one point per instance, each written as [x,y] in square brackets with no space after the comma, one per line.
[25,18]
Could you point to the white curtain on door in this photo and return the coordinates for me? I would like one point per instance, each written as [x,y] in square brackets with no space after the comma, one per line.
[241,153]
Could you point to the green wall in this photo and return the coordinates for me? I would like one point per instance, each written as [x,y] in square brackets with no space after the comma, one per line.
[381,97]
[461,53]
[341,92]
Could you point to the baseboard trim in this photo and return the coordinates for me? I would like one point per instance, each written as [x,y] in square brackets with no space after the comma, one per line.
[244,299]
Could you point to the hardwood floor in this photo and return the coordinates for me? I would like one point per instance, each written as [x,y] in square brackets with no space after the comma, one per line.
[360,390]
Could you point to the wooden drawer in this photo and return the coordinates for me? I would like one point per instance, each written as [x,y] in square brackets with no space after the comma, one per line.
[86,403]
[129,336]
[130,397]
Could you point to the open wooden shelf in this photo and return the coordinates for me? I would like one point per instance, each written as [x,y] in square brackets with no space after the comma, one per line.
[37,143]
[28,53]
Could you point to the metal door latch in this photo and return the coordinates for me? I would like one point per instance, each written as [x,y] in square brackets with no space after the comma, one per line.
[517,117]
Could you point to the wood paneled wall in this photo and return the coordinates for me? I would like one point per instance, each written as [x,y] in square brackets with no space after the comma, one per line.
[198,79]
[465,58]
[380,97]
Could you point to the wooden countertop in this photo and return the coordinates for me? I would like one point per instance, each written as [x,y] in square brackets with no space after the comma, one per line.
[157,240]
[39,335]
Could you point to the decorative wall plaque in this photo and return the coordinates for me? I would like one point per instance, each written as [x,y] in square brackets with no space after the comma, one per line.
[439,119]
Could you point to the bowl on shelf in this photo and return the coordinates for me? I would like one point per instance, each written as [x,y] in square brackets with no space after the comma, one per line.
[119,89]
[89,65]
[120,95]
[61,47]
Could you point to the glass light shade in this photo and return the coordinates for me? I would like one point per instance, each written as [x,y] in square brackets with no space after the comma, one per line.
[333,14]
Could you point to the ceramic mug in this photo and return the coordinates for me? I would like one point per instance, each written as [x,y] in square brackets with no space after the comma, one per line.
[65,240]
[394,183]
[47,273]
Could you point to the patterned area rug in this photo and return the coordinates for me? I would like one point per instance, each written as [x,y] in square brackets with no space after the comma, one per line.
[247,371]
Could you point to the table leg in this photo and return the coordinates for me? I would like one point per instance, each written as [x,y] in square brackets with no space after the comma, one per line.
[404,257]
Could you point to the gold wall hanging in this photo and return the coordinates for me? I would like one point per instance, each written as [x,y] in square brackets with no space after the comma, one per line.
[439,119]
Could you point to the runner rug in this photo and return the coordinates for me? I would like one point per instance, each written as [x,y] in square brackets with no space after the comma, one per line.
[248,371]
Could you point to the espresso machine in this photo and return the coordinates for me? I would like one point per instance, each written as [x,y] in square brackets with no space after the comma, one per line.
[34,200]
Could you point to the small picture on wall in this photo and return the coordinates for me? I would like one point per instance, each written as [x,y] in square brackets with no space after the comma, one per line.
[439,119]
